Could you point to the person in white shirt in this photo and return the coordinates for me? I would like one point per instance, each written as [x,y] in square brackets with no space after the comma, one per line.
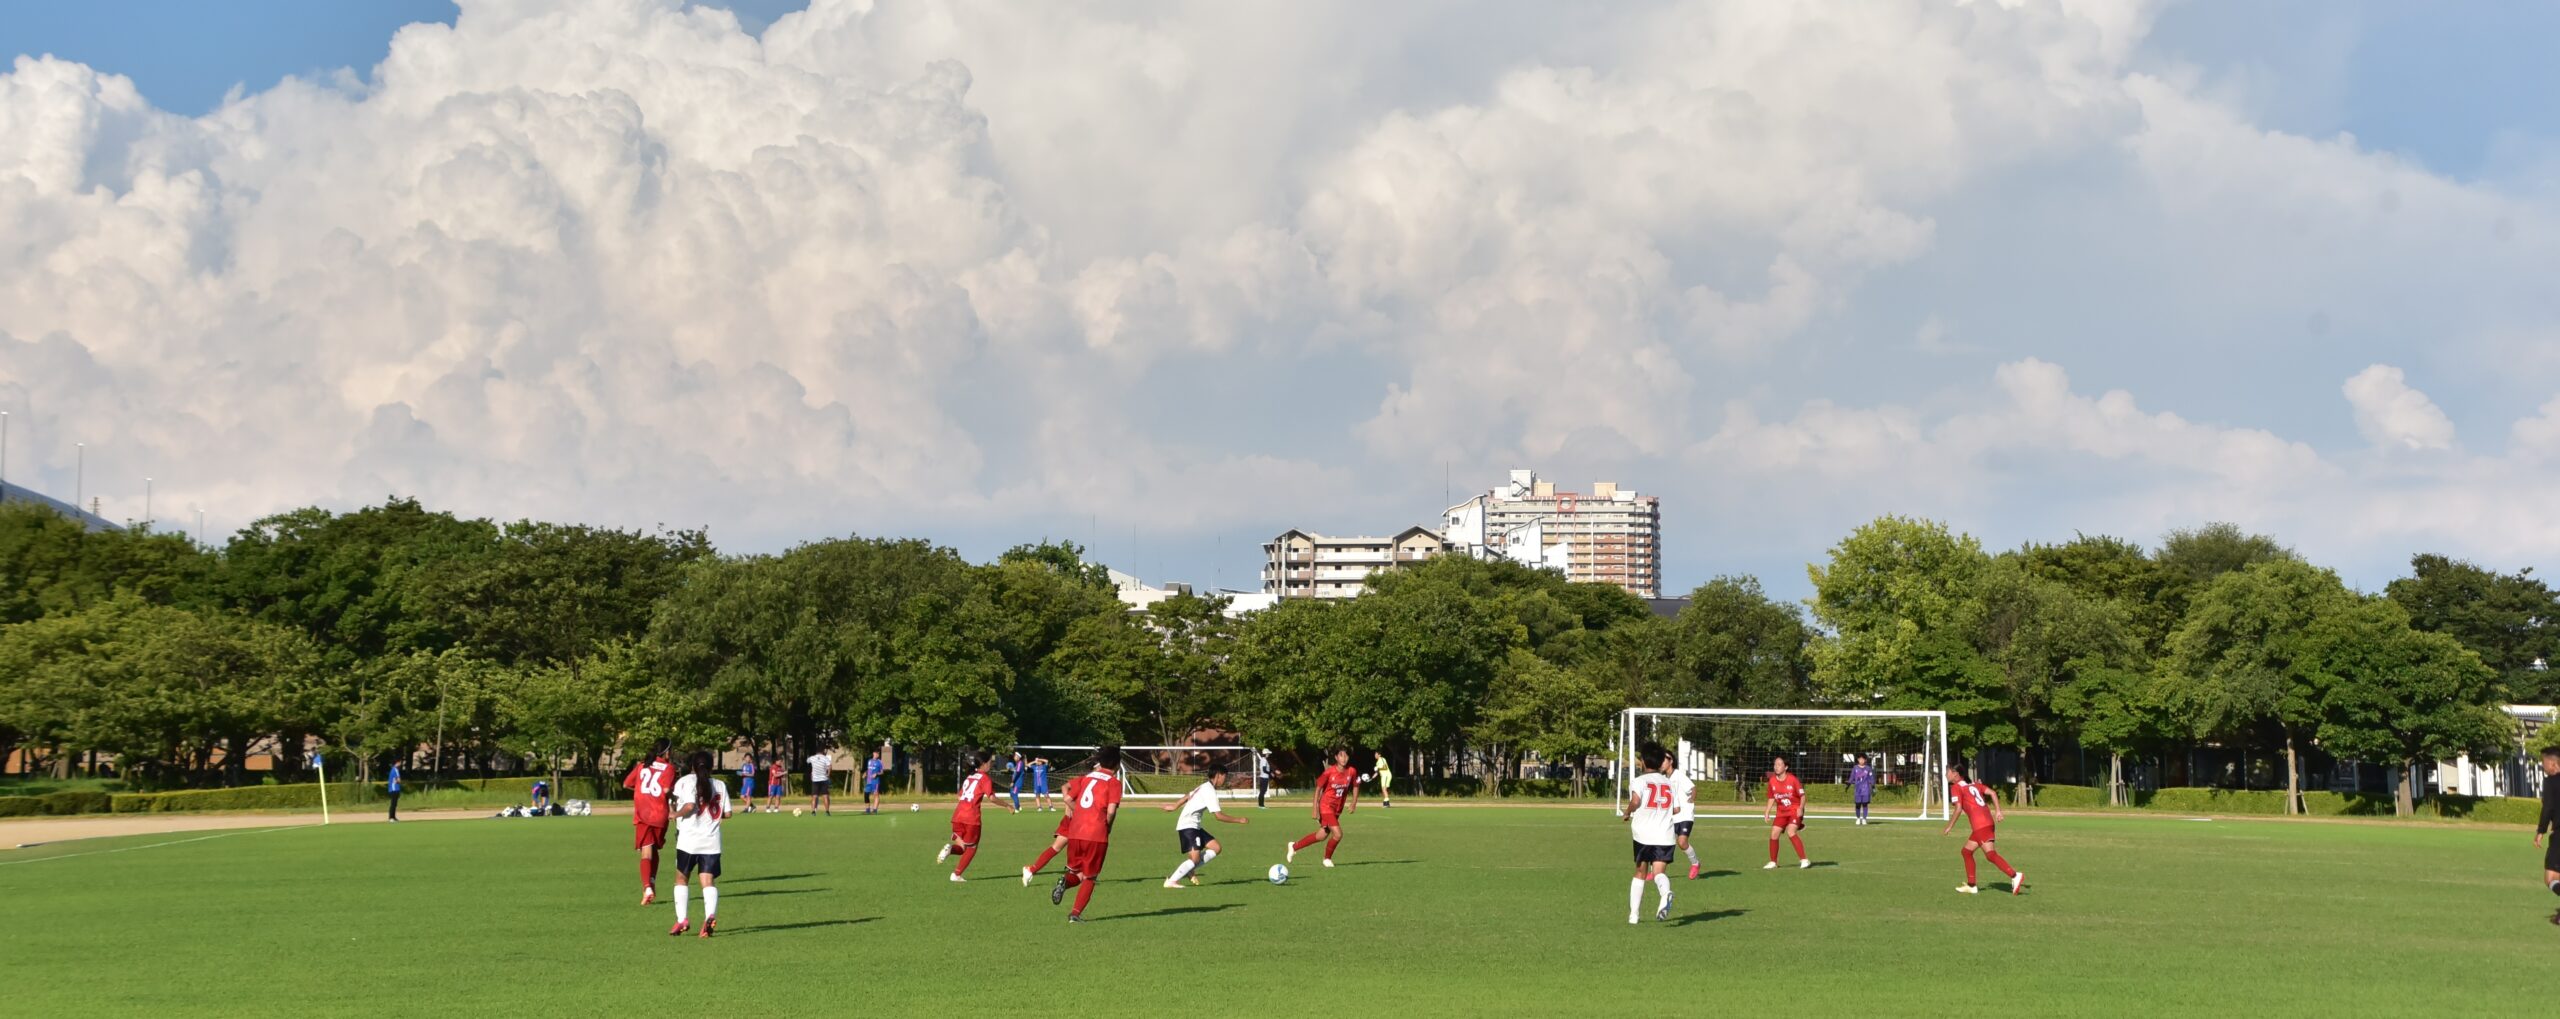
[701,804]
[1686,816]
[1192,828]
[821,790]
[1652,801]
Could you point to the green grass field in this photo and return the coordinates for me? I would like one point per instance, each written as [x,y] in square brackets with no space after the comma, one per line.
[1435,911]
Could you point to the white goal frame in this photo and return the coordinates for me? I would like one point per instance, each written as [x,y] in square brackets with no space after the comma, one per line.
[1933,779]
[1236,780]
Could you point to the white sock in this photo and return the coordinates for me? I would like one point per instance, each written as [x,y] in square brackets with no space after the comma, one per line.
[1693,856]
[682,892]
[1635,896]
[1207,855]
[1183,871]
[711,902]
[1662,883]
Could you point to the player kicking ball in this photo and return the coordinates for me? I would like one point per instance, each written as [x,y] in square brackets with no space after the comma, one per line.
[701,803]
[1652,801]
[968,817]
[1093,806]
[1193,831]
[1785,813]
[1981,806]
[1337,793]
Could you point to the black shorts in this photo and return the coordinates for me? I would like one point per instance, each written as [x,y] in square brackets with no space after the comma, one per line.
[1652,854]
[1681,828]
[697,863]
[1193,838]
[2551,852]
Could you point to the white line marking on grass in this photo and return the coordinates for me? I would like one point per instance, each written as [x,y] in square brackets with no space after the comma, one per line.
[155,845]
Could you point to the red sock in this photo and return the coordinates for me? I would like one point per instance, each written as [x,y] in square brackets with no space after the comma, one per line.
[1074,879]
[966,855]
[1798,842]
[1084,894]
[1046,855]
[1773,849]
[648,873]
[1968,867]
[1308,841]
[1329,847]
[1996,861]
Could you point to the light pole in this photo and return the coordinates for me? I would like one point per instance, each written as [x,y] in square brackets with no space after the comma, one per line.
[79,475]
[146,504]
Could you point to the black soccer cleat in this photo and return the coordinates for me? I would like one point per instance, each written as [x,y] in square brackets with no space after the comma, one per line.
[1058,892]
[1075,918]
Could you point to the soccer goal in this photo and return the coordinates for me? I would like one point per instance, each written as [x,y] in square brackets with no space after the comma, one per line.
[1148,773]
[1726,752]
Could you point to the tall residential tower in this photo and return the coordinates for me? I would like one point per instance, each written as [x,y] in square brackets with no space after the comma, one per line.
[1608,535]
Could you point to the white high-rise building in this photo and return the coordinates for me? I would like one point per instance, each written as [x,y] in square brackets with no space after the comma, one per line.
[1304,564]
[1608,535]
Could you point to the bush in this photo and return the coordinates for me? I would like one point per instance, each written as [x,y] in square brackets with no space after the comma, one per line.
[76,801]
[21,806]
[2212,801]
[2069,797]
[2492,809]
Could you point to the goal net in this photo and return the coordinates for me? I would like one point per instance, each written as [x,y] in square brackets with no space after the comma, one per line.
[1146,773]
[1727,753]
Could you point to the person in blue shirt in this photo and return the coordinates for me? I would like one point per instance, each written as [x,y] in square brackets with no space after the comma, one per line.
[1862,786]
[1015,766]
[392,784]
[1040,784]
[871,784]
[541,795]
[747,778]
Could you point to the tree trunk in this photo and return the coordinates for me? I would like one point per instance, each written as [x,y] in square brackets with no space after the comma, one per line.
[2292,776]
[2404,804]
[2024,767]
[2115,780]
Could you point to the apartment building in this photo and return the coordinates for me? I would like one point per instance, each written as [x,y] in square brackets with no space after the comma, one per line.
[1304,564]
[1608,535]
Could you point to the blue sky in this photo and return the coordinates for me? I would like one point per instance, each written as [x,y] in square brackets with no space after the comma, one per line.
[1176,280]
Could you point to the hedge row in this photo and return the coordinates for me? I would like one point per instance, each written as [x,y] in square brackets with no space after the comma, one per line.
[2270,803]
[58,804]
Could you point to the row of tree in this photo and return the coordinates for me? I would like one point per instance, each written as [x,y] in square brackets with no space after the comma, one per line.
[400,631]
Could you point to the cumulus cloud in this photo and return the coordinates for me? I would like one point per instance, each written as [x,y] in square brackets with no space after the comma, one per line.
[981,267]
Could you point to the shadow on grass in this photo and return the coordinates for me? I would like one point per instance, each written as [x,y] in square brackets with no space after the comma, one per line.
[1169,911]
[765,877]
[777,891]
[1371,863]
[1707,917]
[762,928]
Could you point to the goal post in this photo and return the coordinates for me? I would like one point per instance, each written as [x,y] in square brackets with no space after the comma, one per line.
[1726,752]
[1146,773]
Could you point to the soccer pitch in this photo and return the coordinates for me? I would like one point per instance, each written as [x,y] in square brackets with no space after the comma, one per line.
[1434,911]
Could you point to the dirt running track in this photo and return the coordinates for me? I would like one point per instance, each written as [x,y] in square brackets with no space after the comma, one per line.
[22,833]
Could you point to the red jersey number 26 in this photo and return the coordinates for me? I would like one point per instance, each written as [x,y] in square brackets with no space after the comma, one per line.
[1657,797]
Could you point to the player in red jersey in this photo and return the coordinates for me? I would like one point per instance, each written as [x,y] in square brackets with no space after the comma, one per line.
[1337,793]
[1093,805]
[1981,805]
[966,818]
[651,783]
[1785,813]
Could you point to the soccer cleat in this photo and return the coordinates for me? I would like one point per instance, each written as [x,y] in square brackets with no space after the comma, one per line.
[1665,912]
[1075,918]
[708,923]
[1293,853]
[1771,865]
[1026,877]
[1693,872]
[1802,864]
[1328,861]
[648,895]
[1195,880]
[1171,883]
[2018,883]
[679,929]
[958,880]
[945,854]
[1968,889]
[1058,892]
[1631,918]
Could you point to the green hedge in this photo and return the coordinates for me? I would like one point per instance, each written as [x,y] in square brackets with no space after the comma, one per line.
[56,804]
[2069,797]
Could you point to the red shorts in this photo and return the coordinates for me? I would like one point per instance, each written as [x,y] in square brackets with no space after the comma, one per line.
[648,836]
[1788,821]
[1062,828]
[965,834]
[1086,857]
[1329,817]
[1982,834]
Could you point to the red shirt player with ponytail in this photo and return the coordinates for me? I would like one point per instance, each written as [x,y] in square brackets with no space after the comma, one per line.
[1785,813]
[967,817]
[1981,806]
[651,783]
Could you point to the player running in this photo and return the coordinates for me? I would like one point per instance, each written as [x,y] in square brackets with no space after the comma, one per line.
[648,783]
[1981,805]
[701,804]
[1198,848]
[967,816]
[1093,805]
[1785,813]
[1337,793]
[1652,801]
[1685,812]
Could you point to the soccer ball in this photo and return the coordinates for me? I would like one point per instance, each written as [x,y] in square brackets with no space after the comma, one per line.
[795,811]
[913,807]
[1279,874]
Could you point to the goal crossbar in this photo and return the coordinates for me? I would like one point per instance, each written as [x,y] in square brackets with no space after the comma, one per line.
[1912,768]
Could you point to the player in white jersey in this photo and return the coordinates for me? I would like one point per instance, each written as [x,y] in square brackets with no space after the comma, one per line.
[1198,848]
[1686,816]
[701,803]
[1652,801]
